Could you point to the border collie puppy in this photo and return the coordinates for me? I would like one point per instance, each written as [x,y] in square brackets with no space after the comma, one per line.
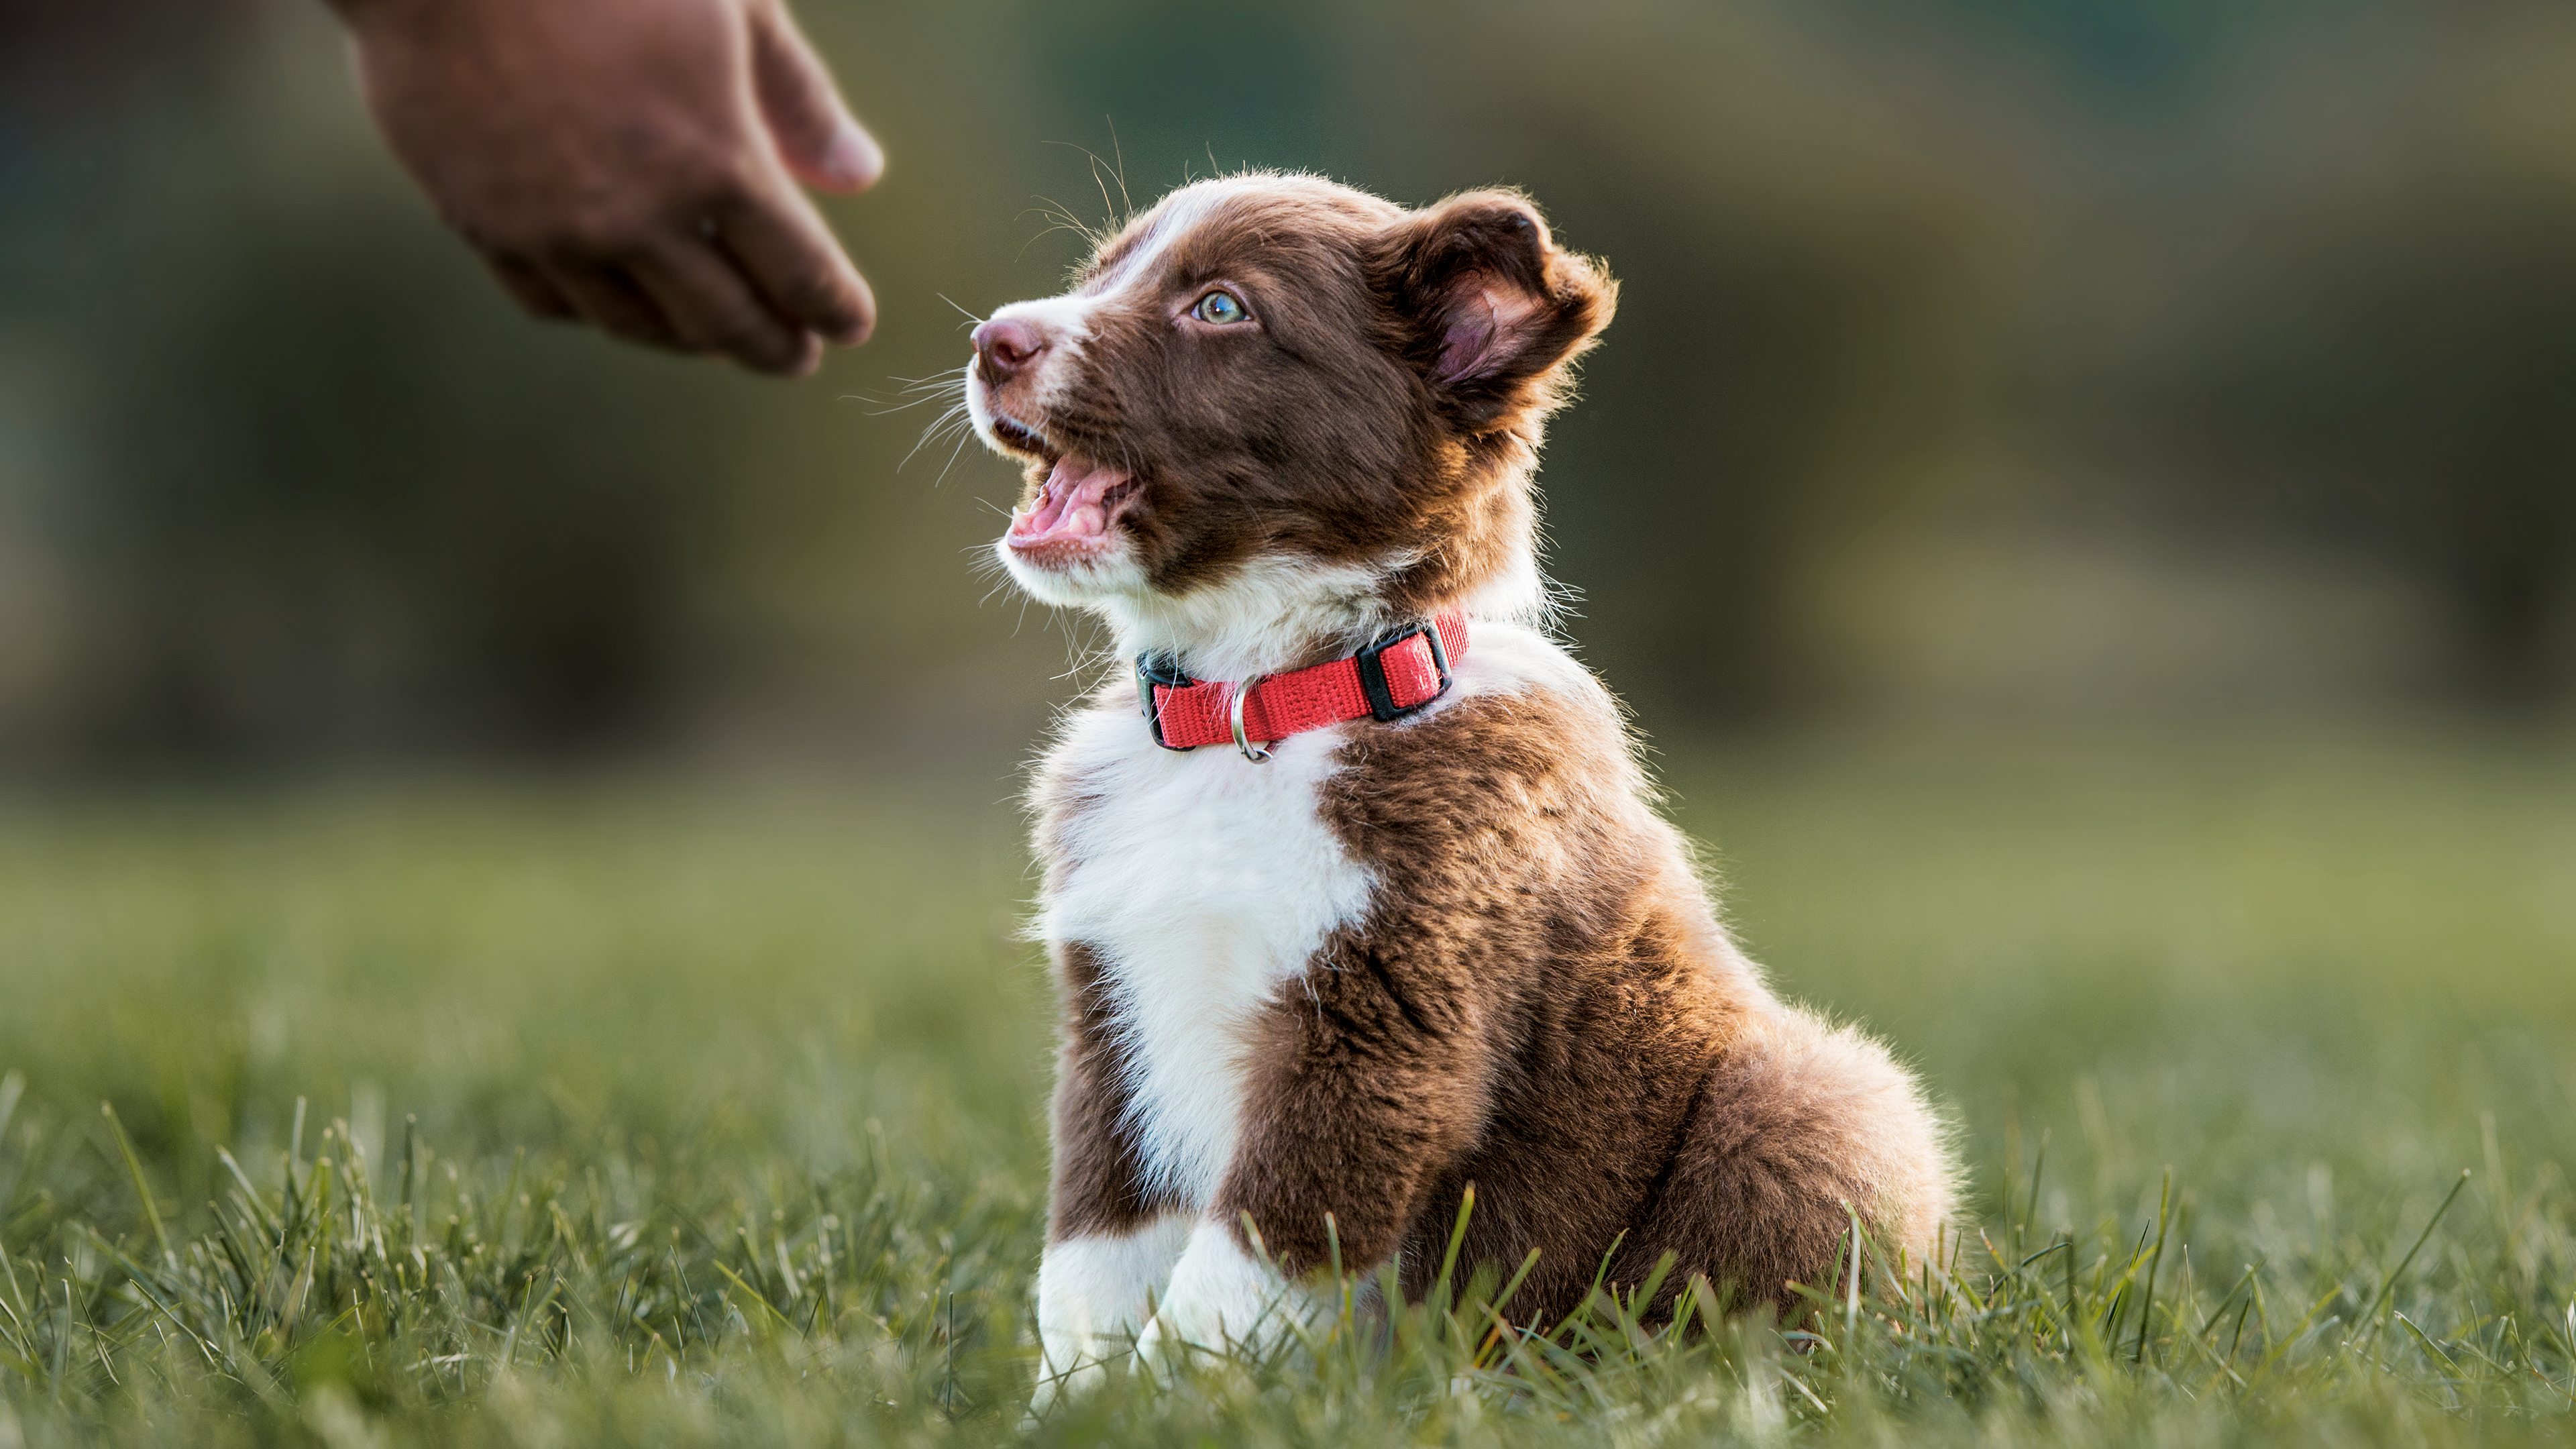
[1353,887]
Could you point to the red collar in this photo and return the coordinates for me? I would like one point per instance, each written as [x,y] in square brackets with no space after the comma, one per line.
[1395,676]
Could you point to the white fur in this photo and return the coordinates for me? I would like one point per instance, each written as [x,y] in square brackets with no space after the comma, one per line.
[1508,658]
[1094,1293]
[1257,620]
[1206,882]
[1223,1298]
[1077,584]
[1066,320]
[1174,216]
[1517,593]
[1264,615]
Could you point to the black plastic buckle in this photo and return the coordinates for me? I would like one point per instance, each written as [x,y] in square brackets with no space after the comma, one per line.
[1381,698]
[1162,669]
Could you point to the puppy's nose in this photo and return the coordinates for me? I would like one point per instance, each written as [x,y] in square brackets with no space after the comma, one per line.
[1006,347]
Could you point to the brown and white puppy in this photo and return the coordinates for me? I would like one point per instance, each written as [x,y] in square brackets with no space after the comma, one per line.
[1273,418]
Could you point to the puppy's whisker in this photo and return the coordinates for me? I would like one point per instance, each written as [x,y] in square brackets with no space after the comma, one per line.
[1194,509]
[1062,218]
[956,417]
[1126,203]
[886,408]
[953,454]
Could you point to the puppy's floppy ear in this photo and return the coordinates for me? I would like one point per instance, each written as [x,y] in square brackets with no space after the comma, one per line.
[1488,308]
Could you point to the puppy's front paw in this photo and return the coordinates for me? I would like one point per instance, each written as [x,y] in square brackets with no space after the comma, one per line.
[1223,1299]
[1059,1382]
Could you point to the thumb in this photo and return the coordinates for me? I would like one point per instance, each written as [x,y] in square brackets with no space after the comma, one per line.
[816,136]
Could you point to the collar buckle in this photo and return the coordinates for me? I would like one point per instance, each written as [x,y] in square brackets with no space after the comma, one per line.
[1373,682]
[1162,669]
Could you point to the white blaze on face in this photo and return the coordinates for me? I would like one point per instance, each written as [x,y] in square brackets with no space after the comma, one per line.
[1066,325]
[1064,548]
[1068,321]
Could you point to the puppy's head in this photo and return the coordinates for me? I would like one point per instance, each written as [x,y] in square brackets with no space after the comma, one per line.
[1273,394]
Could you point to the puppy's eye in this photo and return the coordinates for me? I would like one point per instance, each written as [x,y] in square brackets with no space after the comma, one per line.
[1221,307]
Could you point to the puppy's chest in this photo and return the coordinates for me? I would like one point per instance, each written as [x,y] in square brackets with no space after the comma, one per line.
[1204,882]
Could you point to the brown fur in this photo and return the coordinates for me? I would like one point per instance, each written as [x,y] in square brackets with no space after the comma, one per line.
[1099,1181]
[1358,447]
[1540,946]
[1538,1000]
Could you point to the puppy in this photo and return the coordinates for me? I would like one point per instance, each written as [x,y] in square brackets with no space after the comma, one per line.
[1353,888]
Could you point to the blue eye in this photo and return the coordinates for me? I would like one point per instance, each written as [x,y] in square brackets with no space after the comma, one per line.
[1220,307]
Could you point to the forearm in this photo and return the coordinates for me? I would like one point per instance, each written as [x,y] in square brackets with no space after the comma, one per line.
[365,16]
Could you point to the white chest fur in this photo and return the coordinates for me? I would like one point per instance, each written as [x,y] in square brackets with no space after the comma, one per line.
[1205,881]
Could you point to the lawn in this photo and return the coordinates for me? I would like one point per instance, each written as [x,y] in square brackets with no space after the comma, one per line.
[674,1110]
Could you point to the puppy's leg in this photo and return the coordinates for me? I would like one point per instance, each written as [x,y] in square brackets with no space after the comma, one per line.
[1364,1082]
[1112,1236]
[1800,1127]
[1094,1292]
[1222,1296]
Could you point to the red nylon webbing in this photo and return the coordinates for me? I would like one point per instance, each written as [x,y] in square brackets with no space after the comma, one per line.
[1285,704]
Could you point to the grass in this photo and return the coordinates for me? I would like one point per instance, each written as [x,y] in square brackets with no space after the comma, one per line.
[677,1112]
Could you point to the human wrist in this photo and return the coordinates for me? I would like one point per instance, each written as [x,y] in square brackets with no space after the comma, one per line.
[363,16]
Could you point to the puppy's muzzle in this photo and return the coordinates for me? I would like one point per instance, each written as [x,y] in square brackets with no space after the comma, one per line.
[1007,347]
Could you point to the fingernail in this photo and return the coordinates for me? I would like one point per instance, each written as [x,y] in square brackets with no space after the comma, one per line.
[854,159]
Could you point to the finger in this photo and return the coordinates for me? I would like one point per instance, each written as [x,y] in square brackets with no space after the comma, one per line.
[612,300]
[529,287]
[714,309]
[822,144]
[797,266]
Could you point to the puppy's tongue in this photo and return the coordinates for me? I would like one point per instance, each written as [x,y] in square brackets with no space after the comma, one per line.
[1073,504]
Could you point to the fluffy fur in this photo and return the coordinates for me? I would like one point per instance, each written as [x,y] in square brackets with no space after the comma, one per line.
[1273,417]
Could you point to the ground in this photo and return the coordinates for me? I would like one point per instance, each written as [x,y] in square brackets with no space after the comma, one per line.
[705,1109]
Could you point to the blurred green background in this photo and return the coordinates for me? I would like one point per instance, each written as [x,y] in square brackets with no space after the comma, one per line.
[2126,360]
[2081,495]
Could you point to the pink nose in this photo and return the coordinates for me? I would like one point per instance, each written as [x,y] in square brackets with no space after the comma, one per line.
[1005,347]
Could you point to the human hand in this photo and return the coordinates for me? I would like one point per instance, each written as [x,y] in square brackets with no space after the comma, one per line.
[632,162]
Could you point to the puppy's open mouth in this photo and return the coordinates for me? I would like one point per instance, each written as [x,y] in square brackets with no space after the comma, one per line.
[1074,510]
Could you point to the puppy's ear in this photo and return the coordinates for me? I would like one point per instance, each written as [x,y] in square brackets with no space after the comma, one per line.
[1489,309]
